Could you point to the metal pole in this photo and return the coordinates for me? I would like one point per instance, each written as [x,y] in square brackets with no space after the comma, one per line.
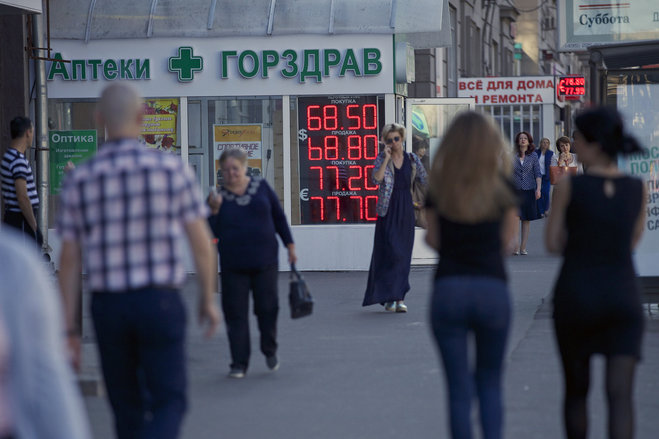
[593,64]
[41,128]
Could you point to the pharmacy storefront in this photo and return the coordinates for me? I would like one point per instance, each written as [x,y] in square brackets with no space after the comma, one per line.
[308,111]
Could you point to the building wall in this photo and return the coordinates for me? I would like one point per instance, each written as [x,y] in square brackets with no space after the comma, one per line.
[482,46]
[13,73]
[14,90]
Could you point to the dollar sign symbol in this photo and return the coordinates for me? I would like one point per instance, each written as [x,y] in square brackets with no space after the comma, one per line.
[302,135]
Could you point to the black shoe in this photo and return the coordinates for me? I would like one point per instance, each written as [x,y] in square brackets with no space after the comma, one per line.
[272,362]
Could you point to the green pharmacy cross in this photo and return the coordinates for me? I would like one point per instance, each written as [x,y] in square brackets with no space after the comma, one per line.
[185,64]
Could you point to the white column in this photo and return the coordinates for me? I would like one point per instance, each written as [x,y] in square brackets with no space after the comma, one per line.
[389,108]
[286,133]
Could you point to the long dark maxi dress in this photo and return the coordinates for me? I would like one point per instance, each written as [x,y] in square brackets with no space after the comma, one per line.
[388,277]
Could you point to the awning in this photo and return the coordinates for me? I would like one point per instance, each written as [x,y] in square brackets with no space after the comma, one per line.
[421,23]
[627,55]
[8,7]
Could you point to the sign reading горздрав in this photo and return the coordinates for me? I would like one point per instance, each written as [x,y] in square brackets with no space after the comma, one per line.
[73,146]
[508,90]
[587,22]
[172,67]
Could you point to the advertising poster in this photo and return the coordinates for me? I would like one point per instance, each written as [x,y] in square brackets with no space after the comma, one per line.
[639,106]
[73,146]
[247,137]
[159,125]
[587,22]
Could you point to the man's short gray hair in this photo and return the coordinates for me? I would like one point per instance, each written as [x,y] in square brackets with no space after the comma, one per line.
[119,106]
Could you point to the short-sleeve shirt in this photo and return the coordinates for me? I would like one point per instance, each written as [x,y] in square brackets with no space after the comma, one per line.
[127,207]
[15,166]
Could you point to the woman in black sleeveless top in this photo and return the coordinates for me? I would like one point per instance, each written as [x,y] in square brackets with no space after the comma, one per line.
[596,220]
[472,217]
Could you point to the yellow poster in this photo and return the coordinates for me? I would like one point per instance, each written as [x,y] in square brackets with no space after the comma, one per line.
[247,137]
[159,124]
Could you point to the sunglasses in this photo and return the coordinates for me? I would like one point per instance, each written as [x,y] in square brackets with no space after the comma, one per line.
[392,139]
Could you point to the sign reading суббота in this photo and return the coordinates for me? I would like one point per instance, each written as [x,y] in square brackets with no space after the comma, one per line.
[217,67]
[587,22]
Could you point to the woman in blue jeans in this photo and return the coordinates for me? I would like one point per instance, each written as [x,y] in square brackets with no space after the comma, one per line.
[471,212]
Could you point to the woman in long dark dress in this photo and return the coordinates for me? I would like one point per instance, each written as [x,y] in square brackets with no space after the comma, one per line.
[596,220]
[394,171]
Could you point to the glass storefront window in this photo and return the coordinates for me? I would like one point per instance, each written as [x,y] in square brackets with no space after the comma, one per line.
[68,116]
[512,119]
[253,124]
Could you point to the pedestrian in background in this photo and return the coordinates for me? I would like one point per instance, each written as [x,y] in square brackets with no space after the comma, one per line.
[19,190]
[127,208]
[597,219]
[246,216]
[38,393]
[565,157]
[528,181]
[394,171]
[472,216]
[545,156]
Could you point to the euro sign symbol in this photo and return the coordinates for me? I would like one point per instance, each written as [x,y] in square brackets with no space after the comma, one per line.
[302,135]
[304,194]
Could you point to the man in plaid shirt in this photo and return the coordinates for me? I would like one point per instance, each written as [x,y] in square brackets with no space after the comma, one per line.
[127,209]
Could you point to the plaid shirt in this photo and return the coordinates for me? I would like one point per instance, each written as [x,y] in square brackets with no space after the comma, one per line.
[127,207]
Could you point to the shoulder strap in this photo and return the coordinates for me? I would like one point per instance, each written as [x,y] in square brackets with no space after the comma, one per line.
[413,163]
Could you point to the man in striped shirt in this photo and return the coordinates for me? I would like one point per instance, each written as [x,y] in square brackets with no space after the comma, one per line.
[18,188]
[127,209]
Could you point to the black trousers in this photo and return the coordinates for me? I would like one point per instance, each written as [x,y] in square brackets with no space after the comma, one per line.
[18,222]
[140,337]
[236,285]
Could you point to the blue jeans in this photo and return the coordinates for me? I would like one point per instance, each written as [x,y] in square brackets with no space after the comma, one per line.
[140,338]
[543,202]
[464,305]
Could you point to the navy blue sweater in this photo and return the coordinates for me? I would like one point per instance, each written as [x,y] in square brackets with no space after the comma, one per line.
[246,225]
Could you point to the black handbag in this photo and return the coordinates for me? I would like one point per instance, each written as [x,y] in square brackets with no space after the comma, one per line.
[299,297]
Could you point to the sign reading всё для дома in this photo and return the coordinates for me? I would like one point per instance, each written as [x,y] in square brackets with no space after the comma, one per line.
[73,146]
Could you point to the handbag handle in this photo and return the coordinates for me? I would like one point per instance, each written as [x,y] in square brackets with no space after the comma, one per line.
[295,272]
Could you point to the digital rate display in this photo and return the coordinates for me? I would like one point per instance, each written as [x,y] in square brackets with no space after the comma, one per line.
[571,87]
[338,142]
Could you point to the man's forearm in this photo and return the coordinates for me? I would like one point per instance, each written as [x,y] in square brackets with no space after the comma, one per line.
[205,257]
[69,282]
[28,212]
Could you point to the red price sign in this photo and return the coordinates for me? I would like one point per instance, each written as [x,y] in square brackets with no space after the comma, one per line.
[571,87]
[338,141]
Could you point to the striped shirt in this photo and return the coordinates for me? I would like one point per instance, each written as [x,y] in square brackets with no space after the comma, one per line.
[15,166]
[127,207]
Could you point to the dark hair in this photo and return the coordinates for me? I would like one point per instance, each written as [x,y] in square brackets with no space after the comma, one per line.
[19,125]
[562,139]
[604,126]
[531,145]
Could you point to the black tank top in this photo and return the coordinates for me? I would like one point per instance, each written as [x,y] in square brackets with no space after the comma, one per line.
[470,249]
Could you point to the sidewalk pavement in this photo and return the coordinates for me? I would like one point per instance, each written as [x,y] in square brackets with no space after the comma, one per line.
[352,372]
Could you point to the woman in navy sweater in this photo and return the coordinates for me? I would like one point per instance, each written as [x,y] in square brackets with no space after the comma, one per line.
[246,217]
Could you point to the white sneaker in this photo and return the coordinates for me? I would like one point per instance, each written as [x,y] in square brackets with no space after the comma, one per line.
[237,372]
[390,306]
[400,306]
